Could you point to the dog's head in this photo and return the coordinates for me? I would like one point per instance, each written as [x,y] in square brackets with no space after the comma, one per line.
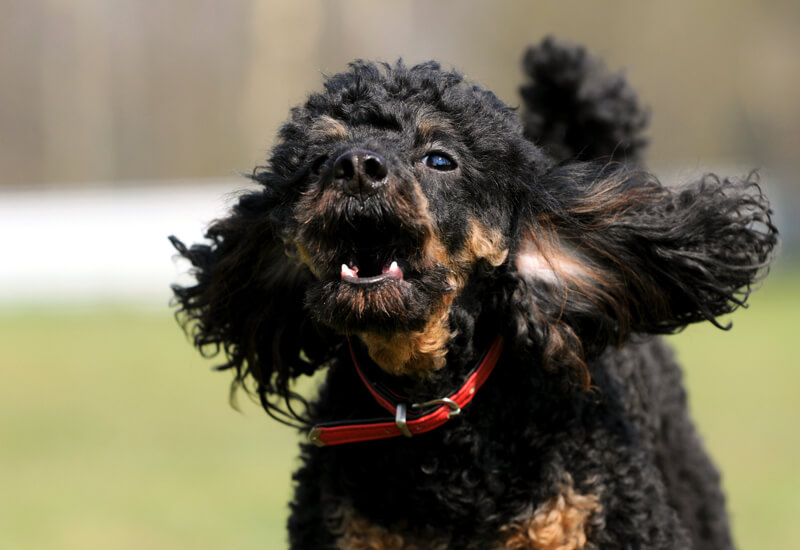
[399,183]
[402,205]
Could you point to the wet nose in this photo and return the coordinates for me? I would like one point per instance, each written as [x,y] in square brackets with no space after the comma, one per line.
[360,173]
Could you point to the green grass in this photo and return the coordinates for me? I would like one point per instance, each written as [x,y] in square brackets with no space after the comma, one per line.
[743,388]
[115,434]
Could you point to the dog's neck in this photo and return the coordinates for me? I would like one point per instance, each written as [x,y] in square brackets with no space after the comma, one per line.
[417,354]
[422,355]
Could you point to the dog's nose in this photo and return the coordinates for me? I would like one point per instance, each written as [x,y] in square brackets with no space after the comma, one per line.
[359,172]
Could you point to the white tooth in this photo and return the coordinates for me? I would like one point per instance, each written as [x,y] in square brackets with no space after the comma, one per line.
[347,272]
[395,271]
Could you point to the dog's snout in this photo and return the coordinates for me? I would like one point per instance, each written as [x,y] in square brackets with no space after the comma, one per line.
[360,173]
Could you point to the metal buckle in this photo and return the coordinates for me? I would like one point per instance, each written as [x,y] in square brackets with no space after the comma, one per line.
[455,410]
[313,437]
[402,409]
[400,419]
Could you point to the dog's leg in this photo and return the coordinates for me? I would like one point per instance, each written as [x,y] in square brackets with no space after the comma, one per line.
[692,481]
[308,527]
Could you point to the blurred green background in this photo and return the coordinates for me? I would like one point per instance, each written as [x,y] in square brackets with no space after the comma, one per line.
[122,122]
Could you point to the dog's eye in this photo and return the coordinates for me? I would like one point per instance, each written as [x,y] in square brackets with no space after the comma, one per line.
[316,166]
[439,161]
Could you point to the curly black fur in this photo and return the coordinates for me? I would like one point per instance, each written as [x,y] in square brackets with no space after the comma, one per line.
[548,233]
[577,110]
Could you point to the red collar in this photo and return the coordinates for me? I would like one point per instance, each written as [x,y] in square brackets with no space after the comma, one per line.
[409,418]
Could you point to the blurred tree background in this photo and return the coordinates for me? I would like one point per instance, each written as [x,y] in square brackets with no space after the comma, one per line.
[99,90]
[112,432]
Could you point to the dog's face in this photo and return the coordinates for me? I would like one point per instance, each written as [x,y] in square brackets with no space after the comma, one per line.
[402,181]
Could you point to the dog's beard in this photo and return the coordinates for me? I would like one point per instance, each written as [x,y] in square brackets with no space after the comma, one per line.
[385,305]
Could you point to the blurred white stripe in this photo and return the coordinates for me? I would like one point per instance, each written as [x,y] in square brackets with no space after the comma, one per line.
[105,242]
[109,243]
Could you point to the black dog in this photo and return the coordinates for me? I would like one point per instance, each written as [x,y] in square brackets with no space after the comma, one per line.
[483,292]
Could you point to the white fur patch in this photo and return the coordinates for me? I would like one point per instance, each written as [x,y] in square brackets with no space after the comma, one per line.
[552,268]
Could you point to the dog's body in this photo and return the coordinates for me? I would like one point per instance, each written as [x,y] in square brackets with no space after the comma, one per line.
[411,225]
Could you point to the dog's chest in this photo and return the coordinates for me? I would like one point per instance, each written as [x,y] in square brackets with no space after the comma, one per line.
[564,521]
[473,494]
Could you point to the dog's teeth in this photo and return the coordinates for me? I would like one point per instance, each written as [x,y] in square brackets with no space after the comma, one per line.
[348,272]
[394,271]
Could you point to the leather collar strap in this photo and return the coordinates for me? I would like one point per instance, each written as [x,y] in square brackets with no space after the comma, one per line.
[409,418]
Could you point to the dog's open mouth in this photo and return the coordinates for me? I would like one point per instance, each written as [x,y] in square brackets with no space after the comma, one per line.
[373,262]
[373,255]
[367,265]
[390,272]
[376,278]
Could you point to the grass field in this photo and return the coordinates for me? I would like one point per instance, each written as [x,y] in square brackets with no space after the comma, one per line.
[115,434]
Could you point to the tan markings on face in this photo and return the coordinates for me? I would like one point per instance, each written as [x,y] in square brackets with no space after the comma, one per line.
[416,353]
[356,533]
[429,130]
[562,523]
[420,353]
[326,128]
[484,244]
[312,205]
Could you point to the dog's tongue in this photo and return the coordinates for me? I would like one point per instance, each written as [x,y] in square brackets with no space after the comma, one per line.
[391,271]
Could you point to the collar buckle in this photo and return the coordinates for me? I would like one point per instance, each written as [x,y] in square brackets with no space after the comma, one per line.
[401,412]
[455,409]
[400,419]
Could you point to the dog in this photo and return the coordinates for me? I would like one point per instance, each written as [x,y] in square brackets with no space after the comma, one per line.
[485,290]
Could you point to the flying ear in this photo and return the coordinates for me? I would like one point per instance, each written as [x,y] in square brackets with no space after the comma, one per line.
[248,303]
[608,251]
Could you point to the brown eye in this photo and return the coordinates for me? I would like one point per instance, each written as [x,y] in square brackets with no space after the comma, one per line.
[439,161]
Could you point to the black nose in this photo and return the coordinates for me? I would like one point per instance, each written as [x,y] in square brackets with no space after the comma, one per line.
[360,173]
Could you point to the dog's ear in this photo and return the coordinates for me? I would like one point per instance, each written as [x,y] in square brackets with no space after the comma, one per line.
[248,303]
[606,251]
